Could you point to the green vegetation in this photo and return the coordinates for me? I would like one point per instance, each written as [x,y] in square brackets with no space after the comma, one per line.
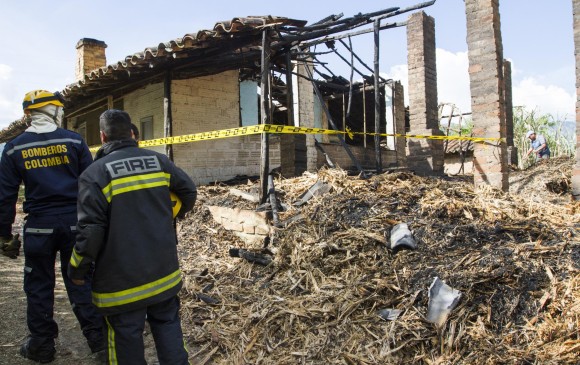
[464,127]
[559,138]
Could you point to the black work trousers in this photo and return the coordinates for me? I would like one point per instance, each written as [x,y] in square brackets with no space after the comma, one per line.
[125,335]
[44,236]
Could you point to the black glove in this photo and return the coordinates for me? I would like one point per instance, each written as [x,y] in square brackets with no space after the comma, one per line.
[10,246]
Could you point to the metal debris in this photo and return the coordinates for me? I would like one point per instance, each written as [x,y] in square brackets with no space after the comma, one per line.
[402,238]
[442,300]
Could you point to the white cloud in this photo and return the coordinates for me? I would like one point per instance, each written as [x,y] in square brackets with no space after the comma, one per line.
[5,72]
[538,92]
[546,99]
[9,101]
[452,79]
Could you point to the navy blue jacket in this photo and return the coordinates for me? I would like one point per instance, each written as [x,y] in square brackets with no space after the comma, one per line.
[49,164]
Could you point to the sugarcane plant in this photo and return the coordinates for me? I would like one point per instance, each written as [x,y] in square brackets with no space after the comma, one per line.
[560,139]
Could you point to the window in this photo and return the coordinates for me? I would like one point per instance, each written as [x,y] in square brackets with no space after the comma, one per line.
[82,130]
[249,102]
[146,128]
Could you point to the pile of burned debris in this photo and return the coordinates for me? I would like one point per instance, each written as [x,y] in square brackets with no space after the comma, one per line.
[327,287]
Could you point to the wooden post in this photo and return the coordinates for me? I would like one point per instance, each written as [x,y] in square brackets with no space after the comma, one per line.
[109,102]
[289,88]
[167,119]
[378,156]
[265,111]
[273,201]
[365,113]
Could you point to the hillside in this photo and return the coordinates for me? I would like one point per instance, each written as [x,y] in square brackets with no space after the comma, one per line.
[514,257]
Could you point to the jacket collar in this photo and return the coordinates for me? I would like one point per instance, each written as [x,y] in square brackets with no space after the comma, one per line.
[113,146]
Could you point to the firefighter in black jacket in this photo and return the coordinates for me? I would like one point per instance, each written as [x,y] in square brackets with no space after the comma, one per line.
[48,160]
[126,228]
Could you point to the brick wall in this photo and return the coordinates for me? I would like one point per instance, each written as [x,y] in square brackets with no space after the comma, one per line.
[210,103]
[424,156]
[90,56]
[576,171]
[512,151]
[485,53]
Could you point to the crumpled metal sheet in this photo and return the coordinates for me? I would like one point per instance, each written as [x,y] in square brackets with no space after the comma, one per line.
[442,300]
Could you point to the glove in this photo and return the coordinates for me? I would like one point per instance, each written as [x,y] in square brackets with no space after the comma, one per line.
[10,246]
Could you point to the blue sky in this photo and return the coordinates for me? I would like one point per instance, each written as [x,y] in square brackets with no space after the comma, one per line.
[37,42]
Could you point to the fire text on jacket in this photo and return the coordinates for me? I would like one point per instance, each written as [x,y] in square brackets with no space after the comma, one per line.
[129,166]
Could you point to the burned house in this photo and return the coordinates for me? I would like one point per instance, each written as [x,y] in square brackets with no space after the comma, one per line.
[243,72]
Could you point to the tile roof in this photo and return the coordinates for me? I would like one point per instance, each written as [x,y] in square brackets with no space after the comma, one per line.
[455,146]
[227,38]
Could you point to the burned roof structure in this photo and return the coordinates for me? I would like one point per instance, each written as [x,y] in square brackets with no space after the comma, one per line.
[232,44]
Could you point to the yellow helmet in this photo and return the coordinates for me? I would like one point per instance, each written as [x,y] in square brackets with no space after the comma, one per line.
[39,98]
[175,203]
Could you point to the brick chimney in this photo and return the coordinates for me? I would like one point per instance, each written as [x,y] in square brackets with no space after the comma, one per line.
[90,56]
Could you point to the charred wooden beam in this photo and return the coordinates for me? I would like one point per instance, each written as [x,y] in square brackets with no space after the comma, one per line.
[314,32]
[378,156]
[290,88]
[266,116]
[352,34]
[167,117]
[273,201]
[359,18]
[255,258]
[331,122]
[328,19]
[350,63]
[349,48]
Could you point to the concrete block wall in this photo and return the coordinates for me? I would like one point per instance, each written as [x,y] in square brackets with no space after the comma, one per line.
[365,156]
[306,114]
[292,154]
[485,52]
[211,103]
[424,156]
[576,170]
[147,102]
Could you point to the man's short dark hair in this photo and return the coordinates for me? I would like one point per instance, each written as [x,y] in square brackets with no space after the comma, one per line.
[116,124]
[135,131]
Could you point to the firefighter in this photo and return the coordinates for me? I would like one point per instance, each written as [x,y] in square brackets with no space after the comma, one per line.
[49,160]
[126,229]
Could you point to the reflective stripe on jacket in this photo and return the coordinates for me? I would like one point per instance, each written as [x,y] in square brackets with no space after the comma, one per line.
[49,164]
[126,226]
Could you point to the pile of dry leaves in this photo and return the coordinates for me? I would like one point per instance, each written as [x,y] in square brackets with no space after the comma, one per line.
[515,260]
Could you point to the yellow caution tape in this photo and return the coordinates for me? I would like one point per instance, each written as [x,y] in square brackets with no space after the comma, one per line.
[286,129]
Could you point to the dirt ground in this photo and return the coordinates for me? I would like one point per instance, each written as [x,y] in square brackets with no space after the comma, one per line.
[71,346]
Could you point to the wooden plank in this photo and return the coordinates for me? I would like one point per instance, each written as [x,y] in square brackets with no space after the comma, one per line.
[266,118]
[378,157]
